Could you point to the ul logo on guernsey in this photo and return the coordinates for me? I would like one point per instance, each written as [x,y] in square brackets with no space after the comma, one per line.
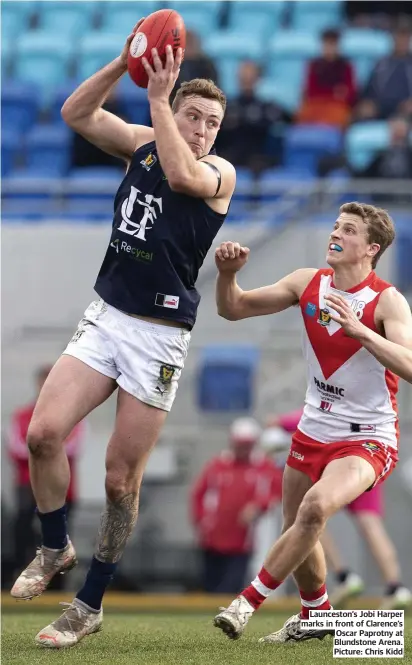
[358,307]
[138,229]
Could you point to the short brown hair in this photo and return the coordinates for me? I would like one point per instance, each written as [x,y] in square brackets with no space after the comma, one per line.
[201,87]
[381,229]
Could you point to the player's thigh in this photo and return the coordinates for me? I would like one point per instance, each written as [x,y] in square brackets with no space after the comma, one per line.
[342,481]
[295,486]
[71,391]
[136,431]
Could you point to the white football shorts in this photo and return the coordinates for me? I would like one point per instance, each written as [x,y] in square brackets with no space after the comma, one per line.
[146,359]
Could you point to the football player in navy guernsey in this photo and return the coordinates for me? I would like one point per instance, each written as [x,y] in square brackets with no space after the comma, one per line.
[135,338]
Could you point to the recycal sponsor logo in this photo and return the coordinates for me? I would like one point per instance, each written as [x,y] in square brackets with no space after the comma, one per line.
[134,252]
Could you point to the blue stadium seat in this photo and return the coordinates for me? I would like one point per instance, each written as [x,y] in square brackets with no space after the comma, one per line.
[61,93]
[305,144]
[316,15]
[364,48]
[94,52]
[67,18]
[48,148]
[44,59]
[279,91]
[226,378]
[123,16]
[290,52]
[213,6]
[22,12]
[228,50]
[133,101]
[6,59]
[10,147]
[261,24]
[231,44]
[19,105]
[275,182]
[244,184]
[364,140]
[201,20]
[95,186]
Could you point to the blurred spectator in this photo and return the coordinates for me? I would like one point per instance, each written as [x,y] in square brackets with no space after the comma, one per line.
[389,89]
[84,153]
[232,491]
[396,160]
[196,63]
[25,534]
[329,89]
[246,128]
[382,14]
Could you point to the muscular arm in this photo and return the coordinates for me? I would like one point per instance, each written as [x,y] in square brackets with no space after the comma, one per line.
[184,173]
[83,113]
[394,352]
[233,303]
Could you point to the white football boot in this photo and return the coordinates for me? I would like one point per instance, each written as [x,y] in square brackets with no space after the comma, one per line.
[233,619]
[76,622]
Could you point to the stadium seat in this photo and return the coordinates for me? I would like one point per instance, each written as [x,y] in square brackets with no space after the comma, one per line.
[305,144]
[95,52]
[133,101]
[289,53]
[279,91]
[244,184]
[6,60]
[226,378]
[123,16]
[262,24]
[19,105]
[67,18]
[228,50]
[364,48]
[277,181]
[10,146]
[316,15]
[230,44]
[47,149]
[21,11]
[364,140]
[44,59]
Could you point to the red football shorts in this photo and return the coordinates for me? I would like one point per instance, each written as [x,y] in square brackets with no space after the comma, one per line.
[311,457]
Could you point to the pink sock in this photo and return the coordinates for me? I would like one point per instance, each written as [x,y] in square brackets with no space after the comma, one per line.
[261,587]
[314,600]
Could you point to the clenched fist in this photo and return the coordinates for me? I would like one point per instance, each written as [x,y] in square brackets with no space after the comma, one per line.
[231,256]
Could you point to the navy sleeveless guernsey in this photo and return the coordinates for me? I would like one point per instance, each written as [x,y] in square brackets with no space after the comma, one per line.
[158,243]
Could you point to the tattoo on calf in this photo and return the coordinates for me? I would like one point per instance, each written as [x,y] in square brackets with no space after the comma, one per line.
[116,526]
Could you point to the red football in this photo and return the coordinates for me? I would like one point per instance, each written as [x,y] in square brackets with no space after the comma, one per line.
[157,31]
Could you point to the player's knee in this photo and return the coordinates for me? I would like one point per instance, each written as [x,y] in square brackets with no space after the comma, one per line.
[312,513]
[118,485]
[43,440]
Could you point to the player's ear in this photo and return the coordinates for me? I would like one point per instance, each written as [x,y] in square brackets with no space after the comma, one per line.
[373,249]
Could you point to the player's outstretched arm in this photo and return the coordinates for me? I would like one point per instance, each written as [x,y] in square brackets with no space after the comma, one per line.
[394,351]
[233,303]
[83,113]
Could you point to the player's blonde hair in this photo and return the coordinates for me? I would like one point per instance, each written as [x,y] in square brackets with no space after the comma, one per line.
[381,229]
[201,87]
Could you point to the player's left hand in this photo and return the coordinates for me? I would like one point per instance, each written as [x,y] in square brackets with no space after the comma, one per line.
[347,317]
[162,79]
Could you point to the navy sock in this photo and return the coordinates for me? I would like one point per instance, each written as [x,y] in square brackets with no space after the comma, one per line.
[392,588]
[98,579]
[342,576]
[54,528]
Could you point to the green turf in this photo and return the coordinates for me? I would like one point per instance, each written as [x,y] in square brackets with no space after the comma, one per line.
[180,639]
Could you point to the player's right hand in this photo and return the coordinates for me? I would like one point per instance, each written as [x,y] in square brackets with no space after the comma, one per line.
[125,52]
[231,256]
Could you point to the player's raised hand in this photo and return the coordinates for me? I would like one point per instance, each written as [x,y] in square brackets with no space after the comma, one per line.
[125,51]
[162,79]
[231,256]
[346,316]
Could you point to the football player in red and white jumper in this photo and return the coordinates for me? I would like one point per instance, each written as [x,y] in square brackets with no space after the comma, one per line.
[357,342]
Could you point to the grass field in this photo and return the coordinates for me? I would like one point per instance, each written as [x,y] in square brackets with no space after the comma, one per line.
[173,638]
